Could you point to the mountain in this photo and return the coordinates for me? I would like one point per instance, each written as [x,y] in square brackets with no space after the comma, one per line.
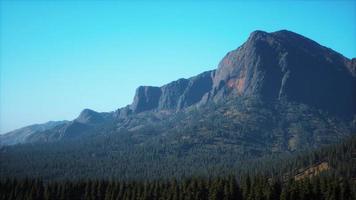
[87,121]
[58,130]
[88,116]
[278,66]
[275,66]
[21,135]
[278,93]
[285,65]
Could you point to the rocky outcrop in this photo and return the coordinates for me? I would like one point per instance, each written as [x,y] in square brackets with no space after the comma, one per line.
[172,93]
[88,116]
[173,96]
[146,98]
[197,87]
[286,65]
[274,66]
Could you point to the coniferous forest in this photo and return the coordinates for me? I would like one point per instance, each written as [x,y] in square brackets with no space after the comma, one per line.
[257,187]
[335,182]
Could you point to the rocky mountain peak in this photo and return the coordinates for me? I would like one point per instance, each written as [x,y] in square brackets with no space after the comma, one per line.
[286,65]
[274,66]
[88,116]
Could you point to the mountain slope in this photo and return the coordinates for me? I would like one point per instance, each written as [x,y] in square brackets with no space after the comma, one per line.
[278,93]
[21,135]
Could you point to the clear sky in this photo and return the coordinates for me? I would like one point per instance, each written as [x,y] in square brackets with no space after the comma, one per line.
[59,57]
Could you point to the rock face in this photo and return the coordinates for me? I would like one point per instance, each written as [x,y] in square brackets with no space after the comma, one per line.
[197,87]
[173,96]
[280,65]
[146,98]
[285,65]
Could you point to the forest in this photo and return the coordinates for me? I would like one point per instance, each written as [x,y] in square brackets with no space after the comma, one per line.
[227,188]
[278,181]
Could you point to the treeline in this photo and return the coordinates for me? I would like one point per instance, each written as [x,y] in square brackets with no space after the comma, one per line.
[249,188]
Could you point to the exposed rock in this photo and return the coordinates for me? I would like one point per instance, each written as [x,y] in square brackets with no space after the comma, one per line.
[171,94]
[88,116]
[286,65]
[146,98]
[274,66]
[197,87]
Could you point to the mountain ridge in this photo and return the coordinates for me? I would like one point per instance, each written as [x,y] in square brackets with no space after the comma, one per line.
[20,135]
[268,65]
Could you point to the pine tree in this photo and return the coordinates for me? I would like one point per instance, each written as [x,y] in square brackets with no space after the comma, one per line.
[216,190]
[247,187]
[275,190]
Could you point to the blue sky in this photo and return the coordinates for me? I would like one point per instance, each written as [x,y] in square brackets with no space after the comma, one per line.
[59,57]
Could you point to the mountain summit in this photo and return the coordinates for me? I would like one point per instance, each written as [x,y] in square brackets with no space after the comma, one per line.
[286,65]
[281,65]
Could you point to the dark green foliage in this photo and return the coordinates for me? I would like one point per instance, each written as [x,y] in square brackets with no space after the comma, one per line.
[248,135]
[335,188]
[335,183]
